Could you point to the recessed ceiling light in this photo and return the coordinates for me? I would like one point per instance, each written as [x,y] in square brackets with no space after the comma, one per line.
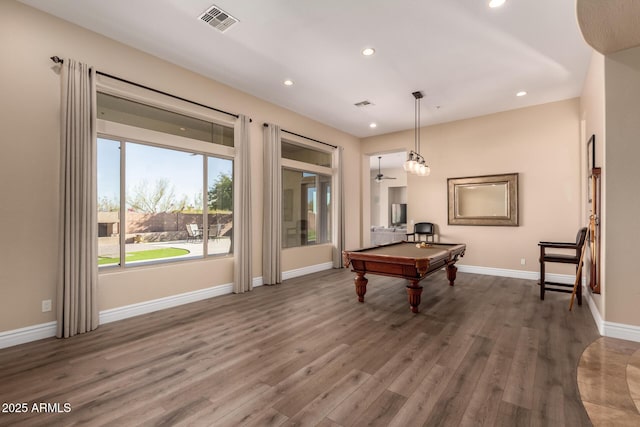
[368,51]
[288,82]
[496,3]
[373,125]
[521,93]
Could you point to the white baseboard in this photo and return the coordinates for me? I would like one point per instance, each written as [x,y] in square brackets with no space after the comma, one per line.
[125,312]
[622,331]
[145,307]
[306,270]
[120,313]
[48,330]
[594,312]
[607,329]
[516,274]
[27,334]
[612,329]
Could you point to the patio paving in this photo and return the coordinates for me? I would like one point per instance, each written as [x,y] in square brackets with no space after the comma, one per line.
[218,246]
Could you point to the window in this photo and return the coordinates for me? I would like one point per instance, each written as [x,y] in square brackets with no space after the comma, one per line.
[120,110]
[220,205]
[108,201]
[304,154]
[306,197]
[158,202]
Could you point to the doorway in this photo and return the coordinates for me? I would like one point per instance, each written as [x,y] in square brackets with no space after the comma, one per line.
[385,186]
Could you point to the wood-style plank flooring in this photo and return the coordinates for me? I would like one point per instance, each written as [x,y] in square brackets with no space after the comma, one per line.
[485,352]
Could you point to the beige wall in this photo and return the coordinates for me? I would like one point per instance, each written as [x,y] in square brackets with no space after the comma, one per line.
[609,108]
[295,258]
[592,115]
[29,157]
[622,152]
[540,143]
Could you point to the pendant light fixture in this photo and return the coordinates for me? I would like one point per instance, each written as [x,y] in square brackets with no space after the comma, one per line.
[416,163]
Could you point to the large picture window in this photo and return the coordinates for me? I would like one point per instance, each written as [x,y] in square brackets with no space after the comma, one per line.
[306,196]
[158,202]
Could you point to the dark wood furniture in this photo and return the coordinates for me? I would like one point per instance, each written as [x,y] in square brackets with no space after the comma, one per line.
[563,258]
[406,261]
[422,229]
[594,227]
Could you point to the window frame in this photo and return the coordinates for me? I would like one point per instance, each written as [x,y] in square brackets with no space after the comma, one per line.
[122,200]
[318,170]
[127,133]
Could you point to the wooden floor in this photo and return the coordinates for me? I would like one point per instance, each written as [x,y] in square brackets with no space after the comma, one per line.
[485,352]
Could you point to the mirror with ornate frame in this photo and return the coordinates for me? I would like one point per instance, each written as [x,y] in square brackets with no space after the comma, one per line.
[484,200]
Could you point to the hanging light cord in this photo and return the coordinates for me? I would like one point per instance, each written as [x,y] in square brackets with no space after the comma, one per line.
[418,125]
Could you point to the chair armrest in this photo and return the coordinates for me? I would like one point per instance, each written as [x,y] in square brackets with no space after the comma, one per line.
[410,234]
[559,245]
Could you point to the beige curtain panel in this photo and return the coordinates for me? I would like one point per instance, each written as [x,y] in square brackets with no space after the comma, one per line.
[77,307]
[242,233]
[272,220]
[338,197]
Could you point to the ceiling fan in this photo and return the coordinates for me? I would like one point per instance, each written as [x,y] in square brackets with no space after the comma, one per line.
[380,176]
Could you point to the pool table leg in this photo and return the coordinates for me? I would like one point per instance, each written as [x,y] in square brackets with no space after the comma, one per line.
[451,273]
[361,286]
[414,291]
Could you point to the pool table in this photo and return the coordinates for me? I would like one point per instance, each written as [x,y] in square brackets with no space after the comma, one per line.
[406,261]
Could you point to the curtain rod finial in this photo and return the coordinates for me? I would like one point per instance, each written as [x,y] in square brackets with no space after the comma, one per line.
[57,59]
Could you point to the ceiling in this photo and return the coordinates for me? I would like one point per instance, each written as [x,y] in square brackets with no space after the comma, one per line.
[466,58]
[388,160]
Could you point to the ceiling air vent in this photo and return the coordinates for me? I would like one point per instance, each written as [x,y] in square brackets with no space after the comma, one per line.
[364,103]
[218,18]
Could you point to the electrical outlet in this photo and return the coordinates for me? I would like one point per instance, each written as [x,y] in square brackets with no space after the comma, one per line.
[523,261]
[46,305]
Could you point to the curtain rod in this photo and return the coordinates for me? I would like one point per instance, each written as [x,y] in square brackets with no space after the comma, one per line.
[302,136]
[59,60]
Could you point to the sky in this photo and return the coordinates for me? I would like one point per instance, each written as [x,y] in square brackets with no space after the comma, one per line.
[183,170]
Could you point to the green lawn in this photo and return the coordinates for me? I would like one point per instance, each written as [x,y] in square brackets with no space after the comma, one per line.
[145,255]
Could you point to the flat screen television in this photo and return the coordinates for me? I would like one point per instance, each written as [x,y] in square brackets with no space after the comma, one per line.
[398,214]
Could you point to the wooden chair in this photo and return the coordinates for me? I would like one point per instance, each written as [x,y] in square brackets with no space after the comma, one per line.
[573,258]
[422,229]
